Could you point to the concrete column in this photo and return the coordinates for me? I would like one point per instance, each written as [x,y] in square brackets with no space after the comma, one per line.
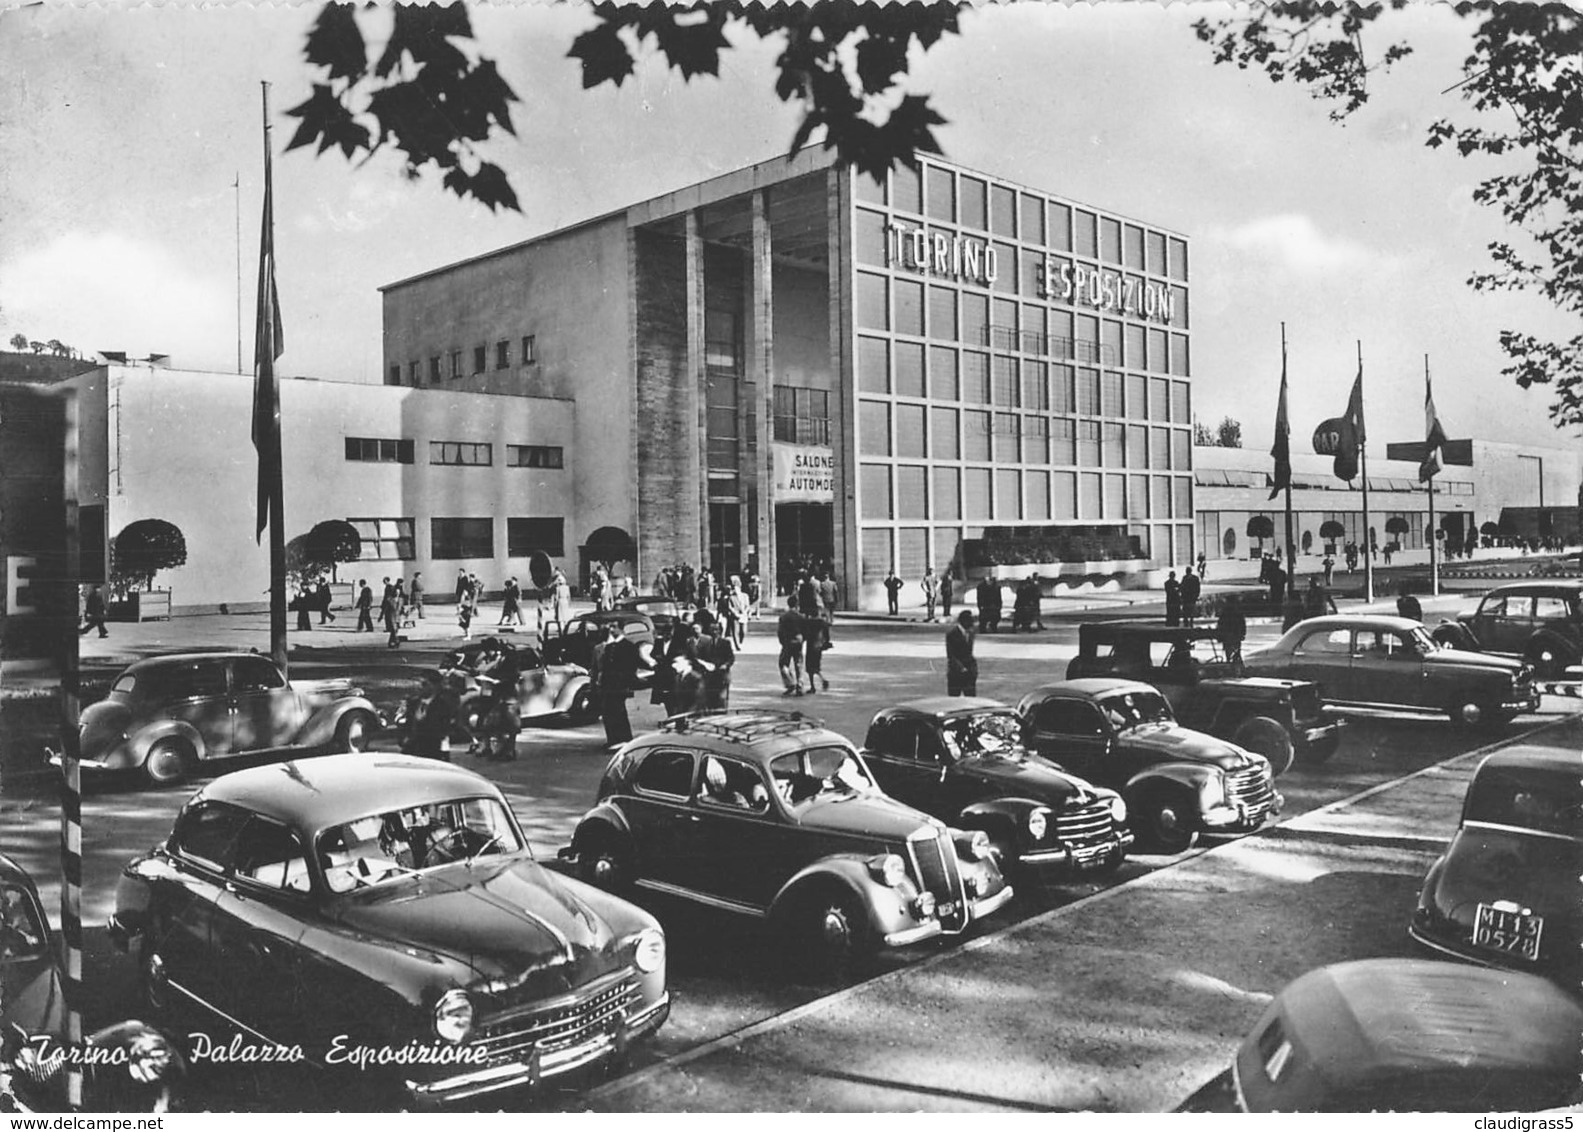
[761,297]
[699,535]
[843,366]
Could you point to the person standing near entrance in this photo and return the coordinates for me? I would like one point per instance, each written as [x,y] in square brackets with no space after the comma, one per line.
[961,666]
[945,595]
[931,592]
[1190,591]
[893,586]
[1173,599]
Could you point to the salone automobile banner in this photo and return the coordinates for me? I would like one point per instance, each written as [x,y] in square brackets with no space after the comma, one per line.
[804,473]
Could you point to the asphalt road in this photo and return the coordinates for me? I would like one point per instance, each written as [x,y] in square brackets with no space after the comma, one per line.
[726,983]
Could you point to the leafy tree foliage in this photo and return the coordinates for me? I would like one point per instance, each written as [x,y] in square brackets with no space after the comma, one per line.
[1524,84]
[1228,433]
[19,341]
[332,542]
[143,549]
[434,98]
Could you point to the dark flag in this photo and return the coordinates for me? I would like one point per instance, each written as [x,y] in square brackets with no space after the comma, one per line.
[1342,436]
[1434,435]
[1283,440]
[268,344]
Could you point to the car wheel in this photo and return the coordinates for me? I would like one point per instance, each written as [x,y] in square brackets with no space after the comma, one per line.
[834,932]
[583,707]
[1167,819]
[355,731]
[169,761]
[1264,736]
[1547,657]
[605,863]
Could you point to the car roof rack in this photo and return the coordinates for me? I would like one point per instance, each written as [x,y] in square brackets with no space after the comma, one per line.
[741,725]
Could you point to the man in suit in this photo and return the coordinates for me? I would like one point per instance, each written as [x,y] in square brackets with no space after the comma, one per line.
[961,666]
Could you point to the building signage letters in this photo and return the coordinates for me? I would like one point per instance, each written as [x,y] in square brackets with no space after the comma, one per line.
[1105,290]
[804,473]
[940,254]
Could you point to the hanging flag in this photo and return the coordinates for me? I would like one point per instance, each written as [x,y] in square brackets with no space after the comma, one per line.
[268,344]
[1434,435]
[1283,441]
[1342,437]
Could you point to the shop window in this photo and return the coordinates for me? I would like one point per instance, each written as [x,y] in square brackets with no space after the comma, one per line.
[535,456]
[383,539]
[461,538]
[461,453]
[525,536]
[371,450]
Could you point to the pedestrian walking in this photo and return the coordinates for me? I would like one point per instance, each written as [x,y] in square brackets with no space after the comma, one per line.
[827,595]
[510,611]
[1329,564]
[1231,628]
[1026,610]
[93,612]
[461,585]
[715,655]
[1203,566]
[302,605]
[706,589]
[752,587]
[807,595]
[945,595]
[1191,588]
[617,679]
[365,607]
[816,642]
[322,599]
[893,586]
[686,675]
[416,590]
[400,601]
[561,604]
[1173,599]
[464,612]
[789,631]
[390,617]
[961,666]
[431,717]
[931,592]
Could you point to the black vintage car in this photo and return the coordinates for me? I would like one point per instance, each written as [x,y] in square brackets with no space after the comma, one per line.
[126,1067]
[1506,891]
[1177,782]
[1283,720]
[962,760]
[1541,622]
[575,641]
[770,815]
[343,906]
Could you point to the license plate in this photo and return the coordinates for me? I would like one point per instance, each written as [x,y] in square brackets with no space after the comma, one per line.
[1508,931]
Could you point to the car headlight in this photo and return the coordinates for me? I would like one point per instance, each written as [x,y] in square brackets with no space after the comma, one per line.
[149,1058]
[1038,822]
[648,952]
[1212,791]
[1118,808]
[978,846]
[889,869]
[924,905]
[453,1016]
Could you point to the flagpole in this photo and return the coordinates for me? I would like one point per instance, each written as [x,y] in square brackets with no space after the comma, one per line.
[1291,545]
[1363,471]
[271,460]
[1434,550]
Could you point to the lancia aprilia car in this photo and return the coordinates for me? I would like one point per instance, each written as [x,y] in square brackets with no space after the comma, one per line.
[1177,782]
[1539,621]
[168,714]
[962,760]
[770,815]
[388,903]
[1506,892]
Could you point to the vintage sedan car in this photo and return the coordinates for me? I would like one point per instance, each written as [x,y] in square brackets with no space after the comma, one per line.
[574,642]
[962,760]
[127,1067]
[386,902]
[1378,661]
[541,689]
[1177,782]
[1539,621]
[1282,720]
[663,611]
[1411,1035]
[167,715]
[1506,891]
[770,815]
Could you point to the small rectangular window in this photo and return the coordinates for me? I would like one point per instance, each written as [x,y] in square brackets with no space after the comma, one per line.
[434,370]
[395,375]
[503,355]
[479,355]
[374,450]
[383,539]
[456,363]
[413,373]
[529,350]
[463,453]
[461,538]
[535,456]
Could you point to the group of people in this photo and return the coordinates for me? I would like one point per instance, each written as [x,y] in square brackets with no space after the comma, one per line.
[1181,597]
[803,631]
[694,671]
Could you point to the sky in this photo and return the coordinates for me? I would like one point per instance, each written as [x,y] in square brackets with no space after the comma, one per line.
[131,180]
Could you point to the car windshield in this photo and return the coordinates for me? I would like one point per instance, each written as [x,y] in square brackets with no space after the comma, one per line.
[1134,709]
[404,842]
[21,933]
[1549,803]
[987,733]
[821,774]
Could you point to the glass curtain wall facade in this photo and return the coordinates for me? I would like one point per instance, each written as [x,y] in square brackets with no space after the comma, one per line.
[1021,361]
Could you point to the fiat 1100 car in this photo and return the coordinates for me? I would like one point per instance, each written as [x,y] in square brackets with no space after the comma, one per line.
[1506,891]
[962,760]
[349,906]
[771,815]
[1177,782]
[167,715]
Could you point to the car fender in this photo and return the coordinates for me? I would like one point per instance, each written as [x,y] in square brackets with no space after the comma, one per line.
[576,681]
[1000,815]
[850,873]
[1187,775]
[136,751]
[1564,648]
[321,725]
[603,818]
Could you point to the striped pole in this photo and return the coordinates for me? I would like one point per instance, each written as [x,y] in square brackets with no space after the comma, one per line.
[71,767]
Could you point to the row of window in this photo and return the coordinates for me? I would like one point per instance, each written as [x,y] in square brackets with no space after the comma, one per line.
[912,549]
[1226,532]
[915,491]
[1218,477]
[961,198]
[393,539]
[377,450]
[942,373]
[931,432]
[907,306]
[442,366]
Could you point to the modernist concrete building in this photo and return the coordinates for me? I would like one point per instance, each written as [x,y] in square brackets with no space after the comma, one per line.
[791,363]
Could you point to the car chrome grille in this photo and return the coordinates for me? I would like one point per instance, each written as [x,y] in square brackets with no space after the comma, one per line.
[1253,788]
[935,865]
[1081,824]
[560,1024]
